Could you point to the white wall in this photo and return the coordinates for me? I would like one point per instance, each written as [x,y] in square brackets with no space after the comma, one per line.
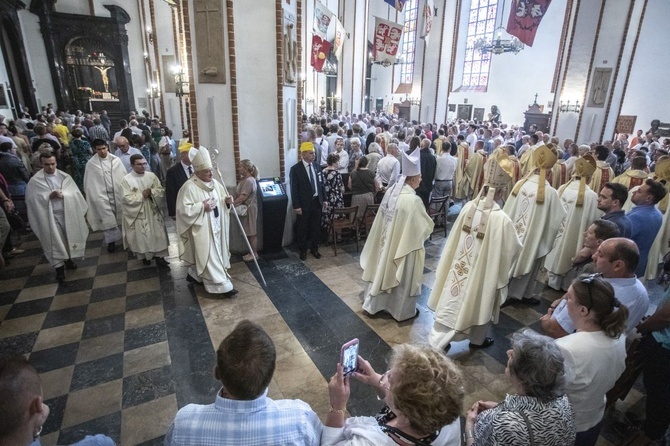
[648,92]
[37,59]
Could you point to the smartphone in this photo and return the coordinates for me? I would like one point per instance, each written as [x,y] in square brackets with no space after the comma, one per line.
[349,357]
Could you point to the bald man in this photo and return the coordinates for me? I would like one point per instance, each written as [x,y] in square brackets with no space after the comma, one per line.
[124,151]
[616,259]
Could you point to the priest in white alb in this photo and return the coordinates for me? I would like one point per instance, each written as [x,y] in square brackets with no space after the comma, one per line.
[102,184]
[393,256]
[537,214]
[144,230]
[203,219]
[56,211]
[475,265]
[661,244]
[581,205]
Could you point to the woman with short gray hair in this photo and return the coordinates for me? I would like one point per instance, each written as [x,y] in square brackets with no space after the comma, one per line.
[539,413]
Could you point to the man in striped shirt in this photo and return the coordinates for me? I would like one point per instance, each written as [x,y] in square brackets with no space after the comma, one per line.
[98,131]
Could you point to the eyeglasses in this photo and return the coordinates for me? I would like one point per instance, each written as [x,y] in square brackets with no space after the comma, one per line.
[383,378]
[588,280]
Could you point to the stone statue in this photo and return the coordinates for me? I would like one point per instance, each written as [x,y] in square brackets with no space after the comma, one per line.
[290,55]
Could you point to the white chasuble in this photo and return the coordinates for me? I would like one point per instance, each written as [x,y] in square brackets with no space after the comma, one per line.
[203,236]
[570,236]
[144,231]
[102,183]
[59,224]
[393,256]
[536,224]
[472,275]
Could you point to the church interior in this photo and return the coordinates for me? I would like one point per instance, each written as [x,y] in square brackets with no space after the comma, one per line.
[120,346]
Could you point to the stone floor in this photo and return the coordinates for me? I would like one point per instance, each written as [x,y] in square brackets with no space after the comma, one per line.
[121,346]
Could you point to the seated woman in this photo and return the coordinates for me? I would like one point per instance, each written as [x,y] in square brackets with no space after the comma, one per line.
[423,391]
[539,412]
[595,354]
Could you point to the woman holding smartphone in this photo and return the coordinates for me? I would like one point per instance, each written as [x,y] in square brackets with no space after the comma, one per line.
[423,393]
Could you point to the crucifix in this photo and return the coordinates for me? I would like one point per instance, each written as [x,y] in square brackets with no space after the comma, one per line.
[536,98]
[105,78]
[206,8]
[332,101]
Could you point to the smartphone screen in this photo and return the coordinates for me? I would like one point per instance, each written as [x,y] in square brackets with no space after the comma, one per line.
[349,358]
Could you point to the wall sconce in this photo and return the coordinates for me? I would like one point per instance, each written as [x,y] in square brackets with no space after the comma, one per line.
[310,100]
[570,108]
[150,34]
[415,100]
[182,87]
[153,92]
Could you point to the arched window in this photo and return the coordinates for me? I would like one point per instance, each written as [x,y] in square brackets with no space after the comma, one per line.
[408,42]
[481,25]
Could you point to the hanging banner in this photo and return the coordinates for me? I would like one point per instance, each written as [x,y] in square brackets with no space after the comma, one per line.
[525,17]
[320,50]
[387,40]
[322,18]
[397,4]
[338,39]
[427,19]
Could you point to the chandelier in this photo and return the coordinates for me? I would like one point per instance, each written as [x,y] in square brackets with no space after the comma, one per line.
[499,45]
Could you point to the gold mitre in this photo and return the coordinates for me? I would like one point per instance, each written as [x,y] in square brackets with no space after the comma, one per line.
[662,169]
[499,170]
[545,156]
[585,166]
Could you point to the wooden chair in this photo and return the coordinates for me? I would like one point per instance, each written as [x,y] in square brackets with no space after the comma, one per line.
[369,217]
[437,209]
[344,219]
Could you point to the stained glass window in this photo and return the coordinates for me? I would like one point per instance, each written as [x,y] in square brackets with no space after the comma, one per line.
[408,41]
[481,25]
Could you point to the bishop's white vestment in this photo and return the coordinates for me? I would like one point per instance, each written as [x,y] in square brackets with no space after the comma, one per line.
[472,276]
[570,237]
[203,236]
[393,256]
[144,231]
[59,223]
[102,184]
[536,225]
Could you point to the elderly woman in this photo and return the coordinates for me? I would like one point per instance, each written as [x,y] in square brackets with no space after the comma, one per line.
[363,186]
[355,154]
[245,194]
[334,189]
[538,413]
[595,354]
[374,155]
[423,391]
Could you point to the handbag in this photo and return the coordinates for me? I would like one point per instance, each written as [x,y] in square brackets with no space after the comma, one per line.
[241,209]
[15,220]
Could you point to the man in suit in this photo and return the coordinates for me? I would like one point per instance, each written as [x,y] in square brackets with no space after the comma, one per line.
[307,194]
[176,176]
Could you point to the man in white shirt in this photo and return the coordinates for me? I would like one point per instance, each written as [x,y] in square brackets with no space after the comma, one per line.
[124,151]
[616,259]
[388,167]
[343,163]
[323,144]
[444,175]
[471,137]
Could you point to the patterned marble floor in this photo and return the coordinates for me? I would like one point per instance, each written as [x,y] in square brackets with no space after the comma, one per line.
[121,346]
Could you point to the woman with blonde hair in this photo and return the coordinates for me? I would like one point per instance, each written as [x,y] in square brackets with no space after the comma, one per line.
[423,392]
[245,194]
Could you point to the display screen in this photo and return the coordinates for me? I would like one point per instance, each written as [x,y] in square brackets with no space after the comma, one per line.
[270,188]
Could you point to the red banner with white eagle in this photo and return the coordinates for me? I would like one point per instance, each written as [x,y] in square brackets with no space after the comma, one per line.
[387,40]
[525,17]
[320,50]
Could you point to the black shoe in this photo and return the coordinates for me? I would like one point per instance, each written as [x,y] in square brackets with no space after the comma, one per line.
[530,301]
[146,262]
[190,279]
[60,274]
[160,261]
[231,293]
[111,247]
[487,343]
[510,301]
[316,253]
[69,264]
[303,255]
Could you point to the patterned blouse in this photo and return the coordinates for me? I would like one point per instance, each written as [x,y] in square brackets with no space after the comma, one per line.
[552,423]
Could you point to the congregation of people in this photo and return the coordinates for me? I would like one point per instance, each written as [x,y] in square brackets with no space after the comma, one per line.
[518,202]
